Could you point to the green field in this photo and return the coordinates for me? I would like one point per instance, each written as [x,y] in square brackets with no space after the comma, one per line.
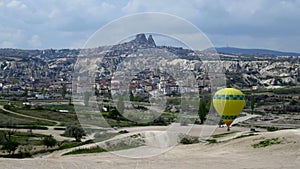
[7,119]
[50,113]
[25,138]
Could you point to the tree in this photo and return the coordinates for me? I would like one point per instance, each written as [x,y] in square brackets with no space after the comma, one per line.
[44,91]
[252,103]
[283,104]
[49,141]
[221,122]
[9,133]
[10,144]
[293,102]
[2,140]
[25,94]
[14,81]
[86,98]
[114,114]
[202,111]
[120,105]
[70,101]
[63,90]
[75,131]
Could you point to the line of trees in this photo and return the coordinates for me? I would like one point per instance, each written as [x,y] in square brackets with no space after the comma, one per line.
[203,110]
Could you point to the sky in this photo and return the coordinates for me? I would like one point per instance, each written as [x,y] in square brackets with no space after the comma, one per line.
[268,24]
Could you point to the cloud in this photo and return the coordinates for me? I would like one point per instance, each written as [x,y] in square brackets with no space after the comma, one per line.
[16,4]
[58,24]
[180,8]
[35,41]
[231,17]
[11,38]
[61,24]
[257,23]
[7,44]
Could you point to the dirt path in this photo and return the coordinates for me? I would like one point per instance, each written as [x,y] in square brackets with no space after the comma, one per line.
[244,118]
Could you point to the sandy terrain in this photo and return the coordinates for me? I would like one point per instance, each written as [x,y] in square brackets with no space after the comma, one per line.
[233,154]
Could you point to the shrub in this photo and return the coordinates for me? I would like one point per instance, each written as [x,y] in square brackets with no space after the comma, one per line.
[123,131]
[272,128]
[39,108]
[49,141]
[10,146]
[24,127]
[59,128]
[186,139]
[75,131]
[7,107]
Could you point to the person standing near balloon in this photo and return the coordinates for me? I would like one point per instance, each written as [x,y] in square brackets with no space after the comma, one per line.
[229,103]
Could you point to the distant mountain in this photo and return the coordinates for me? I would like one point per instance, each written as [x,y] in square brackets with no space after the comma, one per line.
[240,51]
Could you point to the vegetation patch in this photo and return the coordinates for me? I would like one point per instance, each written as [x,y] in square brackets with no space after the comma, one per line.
[186,139]
[60,128]
[17,144]
[23,138]
[267,142]
[24,127]
[114,145]
[12,120]
[124,146]
[245,135]
[223,134]
[287,91]
[123,131]
[41,112]
[212,141]
[86,151]
[73,144]
[63,145]
[272,128]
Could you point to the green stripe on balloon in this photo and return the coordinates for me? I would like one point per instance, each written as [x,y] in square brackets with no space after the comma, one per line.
[229,117]
[228,97]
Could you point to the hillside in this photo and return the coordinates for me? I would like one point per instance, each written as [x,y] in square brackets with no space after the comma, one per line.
[241,51]
[51,68]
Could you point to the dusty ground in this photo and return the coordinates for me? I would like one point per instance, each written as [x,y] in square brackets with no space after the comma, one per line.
[233,154]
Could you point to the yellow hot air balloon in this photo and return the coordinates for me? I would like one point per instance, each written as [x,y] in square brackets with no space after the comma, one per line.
[229,103]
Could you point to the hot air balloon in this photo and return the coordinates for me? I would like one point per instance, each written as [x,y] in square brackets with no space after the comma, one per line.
[229,103]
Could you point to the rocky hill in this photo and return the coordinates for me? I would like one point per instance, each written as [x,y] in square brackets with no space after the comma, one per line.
[50,68]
